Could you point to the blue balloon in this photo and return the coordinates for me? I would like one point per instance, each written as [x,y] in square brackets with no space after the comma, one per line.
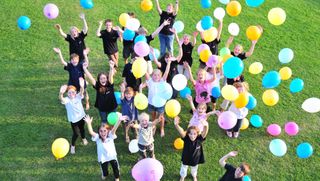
[86,4]
[285,55]
[252,103]
[254,3]
[304,150]
[156,53]
[158,101]
[118,97]
[278,147]
[215,92]
[24,22]
[256,121]
[165,91]
[246,178]
[128,35]
[296,85]
[140,38]
[178,26]
[271,79]
[205,3]
[184,92]
[206,22]
[233,67]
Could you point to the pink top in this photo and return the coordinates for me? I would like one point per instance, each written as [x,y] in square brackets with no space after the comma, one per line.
[202,92]
[197,120]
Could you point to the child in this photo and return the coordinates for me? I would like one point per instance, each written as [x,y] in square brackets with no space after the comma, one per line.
[106,149]
[129,80]
[232,173]
[192,153]
[109,37]
[75,112]
[105,99]
[128,109]
[76,38]
[127,50]
[211,72]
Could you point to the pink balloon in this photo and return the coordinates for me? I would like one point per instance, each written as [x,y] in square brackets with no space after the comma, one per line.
[227,120]
[141,48]
[51,11]
[212,61]
[274,129]
[203,47]
[147,169]
[291,128]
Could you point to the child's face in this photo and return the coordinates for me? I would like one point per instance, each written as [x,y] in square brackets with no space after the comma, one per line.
[72,93]
[240,89]
[156,76]
[128,95]
[74,32]
[144,122]
[74,61]
[186,40]
[193,134]
[201,76]
[169,8]
[108,25]
[103,132]
[103,79]
[201,109]
[237,50]
[238,173]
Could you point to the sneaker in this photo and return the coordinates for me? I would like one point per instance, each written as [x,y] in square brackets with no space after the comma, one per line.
[84,141]
[73,150]
[229,134]
[236,134]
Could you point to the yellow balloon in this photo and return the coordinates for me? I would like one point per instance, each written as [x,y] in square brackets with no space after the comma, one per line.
[270,97]
[226,57]
[242,100]
[60,148]
[244,124]
[285,73]
[255,68]
[229,92]
[253,32]
[277,16]
[140,101]
[204,55]
[172,108]
[123,18]
[233,8]
[178,144]
[139,67]
[210,34]
[146,5]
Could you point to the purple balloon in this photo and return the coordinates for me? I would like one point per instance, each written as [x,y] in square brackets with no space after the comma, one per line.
[274,129]
[141,48]
[203,47]
[147,169]
[51,11]
[227,120]
[212,61]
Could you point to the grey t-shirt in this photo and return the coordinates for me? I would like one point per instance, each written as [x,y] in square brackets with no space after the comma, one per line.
[146,135]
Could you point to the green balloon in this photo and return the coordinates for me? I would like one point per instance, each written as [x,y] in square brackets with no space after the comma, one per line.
[224,51]
[112,118]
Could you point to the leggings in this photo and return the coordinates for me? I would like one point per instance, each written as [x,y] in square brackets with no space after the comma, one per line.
[115,168]
[77,128]
[237,127]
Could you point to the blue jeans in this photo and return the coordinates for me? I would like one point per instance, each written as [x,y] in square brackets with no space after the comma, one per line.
[166,41]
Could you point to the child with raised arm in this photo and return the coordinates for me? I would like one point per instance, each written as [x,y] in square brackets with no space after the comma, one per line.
[218,73]
[75,112]
[129,80]
[232,173]
[106,149]
[192,154]
[75,38]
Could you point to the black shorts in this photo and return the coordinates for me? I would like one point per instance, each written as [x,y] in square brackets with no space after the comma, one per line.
[115,168]
[127,51]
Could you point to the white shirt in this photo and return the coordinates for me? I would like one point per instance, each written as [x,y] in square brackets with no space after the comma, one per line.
[74,107]
[240,112]
[106,150]
[153,89]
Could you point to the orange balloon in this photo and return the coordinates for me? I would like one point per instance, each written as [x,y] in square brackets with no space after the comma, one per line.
[178,144]
[253,32]
[146,5]
[242,100]
[233,8]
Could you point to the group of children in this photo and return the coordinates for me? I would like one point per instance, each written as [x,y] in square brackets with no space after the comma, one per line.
[168,66]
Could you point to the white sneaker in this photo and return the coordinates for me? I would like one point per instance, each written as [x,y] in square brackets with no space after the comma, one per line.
[84,141]
[73,150]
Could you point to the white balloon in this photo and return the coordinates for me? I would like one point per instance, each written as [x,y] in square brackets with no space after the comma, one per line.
[199,27]
[233,29]
[219,13]
[179,82]
[133,146]
[224,1]
[133,24]
[311,105]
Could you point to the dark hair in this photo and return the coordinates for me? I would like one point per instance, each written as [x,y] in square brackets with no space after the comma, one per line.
[193,127]
[131,14]
[245,168]
[102,89]
[107,21]
[163,58]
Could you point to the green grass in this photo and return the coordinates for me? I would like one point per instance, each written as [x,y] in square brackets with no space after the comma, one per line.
[31,74]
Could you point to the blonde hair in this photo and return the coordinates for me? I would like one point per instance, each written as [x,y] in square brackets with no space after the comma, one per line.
[204,105]
[74,27]
[142,30]
[200,70]
[157,71]
[186,35]
[240,46]
[143,116]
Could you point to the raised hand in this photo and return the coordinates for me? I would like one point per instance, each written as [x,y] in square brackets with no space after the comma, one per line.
[81,82]
[57,26]
[86,51]
[85,65]
[195,33]
[176,120]
[57,50]
[166,22]
[173,30]
[82,16]
[233,153]
[111,64]
[101,22]
[189,97]
[88,119]
[122,87]
[63,88]
[124,118]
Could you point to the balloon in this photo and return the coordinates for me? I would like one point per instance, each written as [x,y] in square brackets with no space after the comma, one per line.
[252,102]
[199,27]
[60,148]
[229,92]
[219,13]
[205,3]
[285,73]
[123,18]
[246,178]
[204,55]
[233,8]
[156,53]
[172,108]
[255,68]
[253,33]
[141,48]
[178,26]
[296,85]
[274,129]
[234,29]
[133,146]
[146,5]
[226,57]
[117,95]
[159,101]
[254,3]
[86,4]
[140,38]
[256,121]
[270,97]
[147,169]
[291,128]
[242,100]
[24,22]
[278,147]
[203,47]
[311,105]
[165,91]
[51,11]
[112,118]
[215,92]
[210,34]
[285,55]
[224,51]
[140,101]
[184,92]
[227,120]
[133,24]
[128,35]
[276,16]
[271,79]
[206,22]
[139,67]
[179,82]
[224,1]
[304,150]
[244,124]
[233,67]
[178,144]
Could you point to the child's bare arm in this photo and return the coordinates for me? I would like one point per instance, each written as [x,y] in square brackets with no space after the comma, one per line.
[58,27]
[189,97]
[166,72]
[156,32]
[89,75]
[155,58]
[229,41]
[195,34]
[158,7]
[63,89]
[99,29]
[122,89]
[81,82]
[88,120]
[111,72]
[222,160]
[115,127]
[220,29]
[177,126]
[176,8]
[58,51]
[251,50]
[205,129]
[85,54]
[85,25]
[186,65]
